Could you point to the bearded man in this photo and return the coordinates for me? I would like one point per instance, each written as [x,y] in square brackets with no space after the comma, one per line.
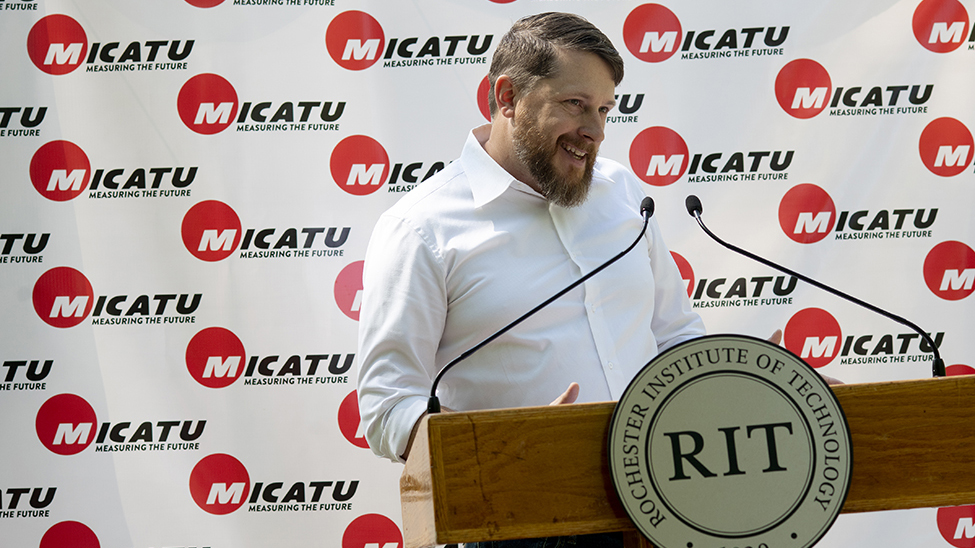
[527,209]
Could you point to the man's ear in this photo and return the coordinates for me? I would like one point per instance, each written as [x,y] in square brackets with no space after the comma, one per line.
[504,96]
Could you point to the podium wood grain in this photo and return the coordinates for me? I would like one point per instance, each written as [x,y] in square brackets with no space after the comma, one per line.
[543,471]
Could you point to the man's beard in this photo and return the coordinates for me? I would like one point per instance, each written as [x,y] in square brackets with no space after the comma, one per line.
[534,150]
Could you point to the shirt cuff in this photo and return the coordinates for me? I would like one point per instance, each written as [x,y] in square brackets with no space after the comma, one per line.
[402,417]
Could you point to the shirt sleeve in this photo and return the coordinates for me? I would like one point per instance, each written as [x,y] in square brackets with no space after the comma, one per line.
[401,322]
[673,321]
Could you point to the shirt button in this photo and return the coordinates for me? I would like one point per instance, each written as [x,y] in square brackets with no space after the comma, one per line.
[609,365]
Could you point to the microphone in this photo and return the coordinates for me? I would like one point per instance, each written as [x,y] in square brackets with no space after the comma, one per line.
[433,403]
[694,208]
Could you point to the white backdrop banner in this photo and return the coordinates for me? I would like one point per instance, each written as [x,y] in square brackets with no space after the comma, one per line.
[189,187]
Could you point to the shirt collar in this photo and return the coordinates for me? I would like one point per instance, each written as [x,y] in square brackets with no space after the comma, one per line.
[487,178]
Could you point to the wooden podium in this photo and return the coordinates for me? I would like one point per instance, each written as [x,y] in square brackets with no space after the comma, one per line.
[543,471]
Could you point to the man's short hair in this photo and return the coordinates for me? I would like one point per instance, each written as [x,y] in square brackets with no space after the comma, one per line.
[529,51]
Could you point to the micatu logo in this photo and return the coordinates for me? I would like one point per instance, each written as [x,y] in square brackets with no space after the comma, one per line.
[57,44]
[37,502]
[652,33]
[814,335]
[29,120]
[806,213]
[660,156]
[69,534]
[35,372]
[370,530]
[208,104]
[350,422]
[803,88]
[60,171]
[348,289]
[940,25]
[359,165]
[211,231]
[957,525]
[220,484]
[215,358]
[63,297]
[65,424]
[949,270]
[355,40]
[31,247]
[946,147]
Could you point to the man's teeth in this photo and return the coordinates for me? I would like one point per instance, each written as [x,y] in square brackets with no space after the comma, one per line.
[574,151]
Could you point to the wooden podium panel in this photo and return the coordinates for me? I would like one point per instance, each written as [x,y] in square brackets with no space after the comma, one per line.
[543,471]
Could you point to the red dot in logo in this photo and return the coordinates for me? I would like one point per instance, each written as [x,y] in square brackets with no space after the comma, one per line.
[652,33]
[814,335]
[354,40]
[219,484]
[658,156]
[57,44]
[207,104]
[204,3]
[359,165]
[349,421]
[211,230]
[949,270]
[807,213]
[940,25]
[946,147]
[957,525]
[803,88]
[959,369]
[348,289]
[215,357]
[483,91]
[66,424]
[69,534]
[63,297]
[371,530]
[60,171]
[686,272]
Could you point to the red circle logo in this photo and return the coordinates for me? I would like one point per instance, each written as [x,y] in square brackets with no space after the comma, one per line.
[652,33]
[66,424]
[946,147]
[69,534]
[349,421]
[60,171]
[949,270]
[957,525]
[658,156]
[959,369]
[63,297]
[483,92]
[215,357]
[57,44]
[204,3]
[807,213]
[219,484]
[207,104]
[814,335]
[211,230]
[686,272]
[359,165]
[348,289]
[355,40]
[803,88]
[940,25]
[371,530]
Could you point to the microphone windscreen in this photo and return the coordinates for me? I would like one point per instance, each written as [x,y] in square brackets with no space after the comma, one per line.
[646,207]
[693,205]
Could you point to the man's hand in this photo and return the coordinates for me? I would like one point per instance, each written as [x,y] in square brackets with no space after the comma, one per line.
[569,396]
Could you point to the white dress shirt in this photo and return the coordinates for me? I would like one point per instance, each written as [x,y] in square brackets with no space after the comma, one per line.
[471,249]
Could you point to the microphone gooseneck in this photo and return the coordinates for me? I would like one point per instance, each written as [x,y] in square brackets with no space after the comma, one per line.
[694,208]
[433,403]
